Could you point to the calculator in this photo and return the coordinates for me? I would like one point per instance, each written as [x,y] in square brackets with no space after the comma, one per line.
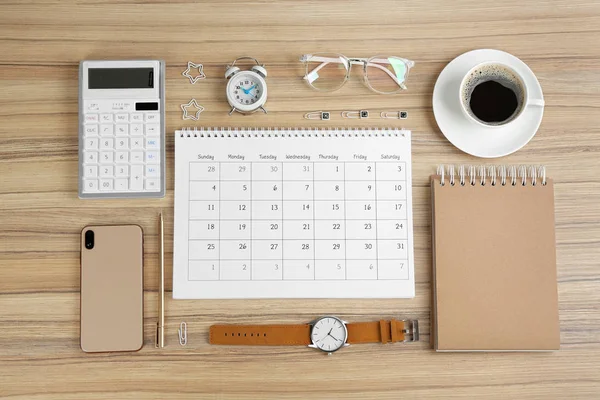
[121,129]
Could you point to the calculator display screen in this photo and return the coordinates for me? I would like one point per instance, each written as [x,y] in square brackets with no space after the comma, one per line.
[121,78]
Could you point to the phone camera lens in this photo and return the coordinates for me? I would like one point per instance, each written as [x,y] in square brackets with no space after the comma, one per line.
[89,240]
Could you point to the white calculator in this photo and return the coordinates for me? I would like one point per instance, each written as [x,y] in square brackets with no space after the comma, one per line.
[121,129]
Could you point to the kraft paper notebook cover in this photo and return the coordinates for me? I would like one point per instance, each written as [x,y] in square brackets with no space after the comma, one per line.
[494,260]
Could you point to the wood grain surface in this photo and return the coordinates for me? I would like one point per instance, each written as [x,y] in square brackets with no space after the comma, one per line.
[41,44]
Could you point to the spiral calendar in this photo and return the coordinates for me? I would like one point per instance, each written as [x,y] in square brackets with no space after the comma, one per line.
[293,213]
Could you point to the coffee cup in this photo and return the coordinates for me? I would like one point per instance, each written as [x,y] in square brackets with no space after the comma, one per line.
[492,94]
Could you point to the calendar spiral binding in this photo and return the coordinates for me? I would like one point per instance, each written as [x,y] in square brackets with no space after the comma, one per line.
[513,175]
[290,132]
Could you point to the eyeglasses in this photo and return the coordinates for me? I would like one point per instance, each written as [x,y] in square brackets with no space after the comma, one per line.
[382,74]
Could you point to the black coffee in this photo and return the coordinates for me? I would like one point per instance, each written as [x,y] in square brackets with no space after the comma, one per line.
[493,102]
[493,94]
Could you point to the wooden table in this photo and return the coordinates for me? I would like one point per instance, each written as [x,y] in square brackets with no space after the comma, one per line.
[41,44]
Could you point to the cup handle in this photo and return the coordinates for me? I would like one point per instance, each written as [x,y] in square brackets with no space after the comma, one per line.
[536,102]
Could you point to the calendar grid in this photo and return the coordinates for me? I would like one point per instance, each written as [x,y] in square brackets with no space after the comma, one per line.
[345,226]
[219,172]
[291,180]
[189,207]
[313,224]
[296,219]
[282,227]
[243,211]
[376,222]
[250,189]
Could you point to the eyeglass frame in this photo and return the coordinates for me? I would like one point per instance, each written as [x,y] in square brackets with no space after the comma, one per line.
[305,58]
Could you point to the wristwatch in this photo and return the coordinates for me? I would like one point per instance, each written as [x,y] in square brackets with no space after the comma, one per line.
[326,333]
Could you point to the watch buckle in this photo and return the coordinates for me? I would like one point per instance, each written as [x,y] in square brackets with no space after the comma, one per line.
[411,334]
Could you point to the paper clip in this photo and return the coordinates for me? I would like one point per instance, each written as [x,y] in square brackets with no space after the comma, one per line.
[182,332]
[355,114]
[192,104]
[322,115]
[194,79]
[394,114]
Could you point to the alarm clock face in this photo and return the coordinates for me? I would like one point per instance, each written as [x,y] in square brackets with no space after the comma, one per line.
[246,91]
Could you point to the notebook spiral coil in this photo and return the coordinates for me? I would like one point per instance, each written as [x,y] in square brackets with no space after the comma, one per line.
[289,132]
[492,174]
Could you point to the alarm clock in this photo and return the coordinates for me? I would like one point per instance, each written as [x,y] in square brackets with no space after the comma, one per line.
[246,89]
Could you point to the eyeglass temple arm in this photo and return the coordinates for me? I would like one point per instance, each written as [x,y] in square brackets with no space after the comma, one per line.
[320,66]
[327,60]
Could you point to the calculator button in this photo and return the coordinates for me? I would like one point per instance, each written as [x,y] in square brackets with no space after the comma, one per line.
[137,143]
[122,157]
[122,171]
[90,185]
[106,118]
[107,130]
[122,117]
[91,157]
[106,184]
[152,171]
[106,157]
[152,117]
[136,129]
[107,171]
[122,129]
[152,156]
[152,185]
[136,182]
[122,144]
[90,171]
[91,143]
[137,157]
[91,118]
[152,129]
[91,130]
[137,170]
[152,144]
[107,144]
[136,117]
[121,185]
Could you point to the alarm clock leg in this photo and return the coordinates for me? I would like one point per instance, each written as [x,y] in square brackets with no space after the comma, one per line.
[232,110]
[262,108]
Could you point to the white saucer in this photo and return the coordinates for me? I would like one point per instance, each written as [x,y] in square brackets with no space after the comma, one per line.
[466,134]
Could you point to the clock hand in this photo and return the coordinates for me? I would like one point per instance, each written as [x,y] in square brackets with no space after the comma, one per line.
[329,334]
[333,337]
[253,86]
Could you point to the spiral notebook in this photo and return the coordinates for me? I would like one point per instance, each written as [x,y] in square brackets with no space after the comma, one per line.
[494,262]
[293,213]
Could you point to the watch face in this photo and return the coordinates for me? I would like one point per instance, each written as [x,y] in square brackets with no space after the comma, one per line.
[329,334]
[246,90]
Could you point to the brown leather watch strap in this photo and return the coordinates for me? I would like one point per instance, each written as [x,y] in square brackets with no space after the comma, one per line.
[378,331]
[260,335]
[281,335]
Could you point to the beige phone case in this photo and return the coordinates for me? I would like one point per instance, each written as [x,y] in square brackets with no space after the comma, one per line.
[112,289]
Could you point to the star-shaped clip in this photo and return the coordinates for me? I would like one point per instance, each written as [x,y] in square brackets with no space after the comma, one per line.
[192,103]
[194,79]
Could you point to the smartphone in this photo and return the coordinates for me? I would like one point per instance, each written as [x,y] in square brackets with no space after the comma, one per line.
[112,290]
